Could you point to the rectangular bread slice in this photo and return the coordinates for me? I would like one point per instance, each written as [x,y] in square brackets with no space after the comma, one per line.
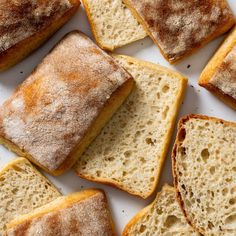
[54,115]
[26,24]
[219,76]
[181,27]
[22,189]
[84,213]
[130,151]
[113,24]
[163,217]
[204,165]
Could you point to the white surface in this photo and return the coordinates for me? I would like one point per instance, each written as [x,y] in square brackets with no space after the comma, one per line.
[197,100]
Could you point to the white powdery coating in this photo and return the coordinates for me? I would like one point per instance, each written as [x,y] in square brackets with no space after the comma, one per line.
[225,76]
[88,217]
[129,150]
[180,26]
[206,167]
[20,19]
[164,217]
[52,110]
[114,24]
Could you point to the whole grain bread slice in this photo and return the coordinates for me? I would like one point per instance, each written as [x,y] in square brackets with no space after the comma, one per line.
[162,217]
[204,165]
[112,23]
[22,189]
[130,150]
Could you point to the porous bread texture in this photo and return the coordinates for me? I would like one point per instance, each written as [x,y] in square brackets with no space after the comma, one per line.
[22,189]
[162,217]
[83,213]
[204,165]
[130,150]
[112,23]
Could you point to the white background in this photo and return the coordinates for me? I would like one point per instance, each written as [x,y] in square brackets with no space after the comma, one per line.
[197,100]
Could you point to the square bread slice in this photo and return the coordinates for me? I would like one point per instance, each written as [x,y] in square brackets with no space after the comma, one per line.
[180,27]
[130,151]
[84,213]
[219,76]
[54,115]
[204,167]
[22,189]
[112,23]
[26,24]
[162,217]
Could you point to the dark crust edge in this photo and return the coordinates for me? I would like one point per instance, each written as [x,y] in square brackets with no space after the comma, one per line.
[179,135]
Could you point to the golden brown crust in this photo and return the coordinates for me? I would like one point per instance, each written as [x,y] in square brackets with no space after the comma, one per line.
[219,75]
[27,24]
[188,25]
[179,138]
[54,115]
[82,213]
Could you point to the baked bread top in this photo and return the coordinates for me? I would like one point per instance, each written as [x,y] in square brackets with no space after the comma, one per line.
[20,19]
[83,213]
[49,113]
[225,75]
[181,26]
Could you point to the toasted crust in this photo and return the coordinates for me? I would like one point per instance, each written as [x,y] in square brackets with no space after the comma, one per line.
[40,108]
[180,135]
[69,216]
[179,98]
[20,39]
[176,44]
[217,65]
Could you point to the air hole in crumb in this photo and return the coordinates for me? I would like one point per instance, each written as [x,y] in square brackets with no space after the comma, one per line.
[212,170]
[182,135]
[142,229]
[225,191]
[171,221]
[127,153]
[205,154]
[98,173]
[149,141]
[232,201]
[210,225]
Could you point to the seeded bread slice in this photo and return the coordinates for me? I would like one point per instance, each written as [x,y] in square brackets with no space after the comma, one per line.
[112,23]
[219,76]
[22,189]
[130,150]
[204,165]
[162,217]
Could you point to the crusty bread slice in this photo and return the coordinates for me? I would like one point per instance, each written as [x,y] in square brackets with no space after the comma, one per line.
[84,213]
[60,108]
[204,165]
[181,27]
[112,23]
[22,189]
[161,218]
[26,24]
[219,75]
[130,151]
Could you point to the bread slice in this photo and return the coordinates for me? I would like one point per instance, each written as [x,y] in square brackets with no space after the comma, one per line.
[130,151]
[162,217]
[219,75]
[54,115]
[26,24]
[22,189]
[187,25]
[204,165]
[113,25]
[83,213]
